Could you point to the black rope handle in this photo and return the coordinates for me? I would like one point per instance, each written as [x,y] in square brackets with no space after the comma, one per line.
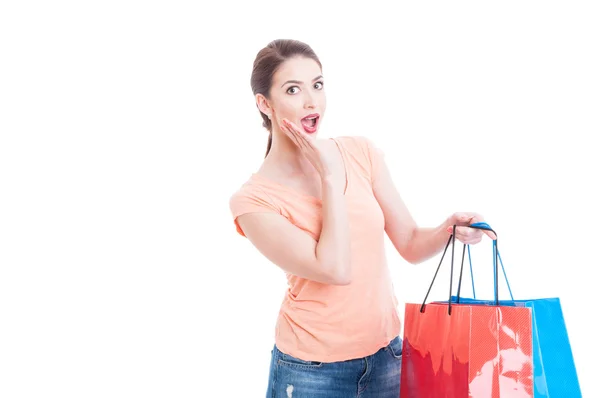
[452,239]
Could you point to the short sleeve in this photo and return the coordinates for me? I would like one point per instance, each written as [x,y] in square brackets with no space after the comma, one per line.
[250,200]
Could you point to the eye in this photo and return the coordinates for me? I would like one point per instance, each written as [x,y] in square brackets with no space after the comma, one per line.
[319,85]
[289,90]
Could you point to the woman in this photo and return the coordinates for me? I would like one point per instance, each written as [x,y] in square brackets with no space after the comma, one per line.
[319,209]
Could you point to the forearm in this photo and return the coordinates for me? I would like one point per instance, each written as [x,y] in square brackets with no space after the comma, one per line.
[425,243]
[333,248]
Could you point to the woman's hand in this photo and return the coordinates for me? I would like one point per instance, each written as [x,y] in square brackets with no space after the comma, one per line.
[465,234]
[316,153]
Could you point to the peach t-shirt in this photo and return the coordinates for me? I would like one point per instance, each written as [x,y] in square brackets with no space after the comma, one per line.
[329,323]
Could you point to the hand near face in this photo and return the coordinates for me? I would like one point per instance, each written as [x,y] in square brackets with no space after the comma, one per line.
[316,153]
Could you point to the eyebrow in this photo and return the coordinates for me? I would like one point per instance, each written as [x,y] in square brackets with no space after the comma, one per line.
[299,82]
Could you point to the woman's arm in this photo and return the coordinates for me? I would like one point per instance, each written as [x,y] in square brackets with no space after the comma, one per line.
[326,260]
[417,244]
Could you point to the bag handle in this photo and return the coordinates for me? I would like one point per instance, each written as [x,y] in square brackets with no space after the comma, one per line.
[496,253]
[485,226]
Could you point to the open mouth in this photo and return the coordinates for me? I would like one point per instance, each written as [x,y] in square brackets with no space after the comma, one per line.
[310,122]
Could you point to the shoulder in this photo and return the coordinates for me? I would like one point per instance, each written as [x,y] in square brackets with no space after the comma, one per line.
[362,149]
[353,141]
[251,197]
[358,144]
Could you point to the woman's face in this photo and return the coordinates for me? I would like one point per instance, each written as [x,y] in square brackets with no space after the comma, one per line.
[297,94]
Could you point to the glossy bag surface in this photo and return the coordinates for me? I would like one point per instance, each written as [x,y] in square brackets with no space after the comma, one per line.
[554,370]
[464,347]
[476,351]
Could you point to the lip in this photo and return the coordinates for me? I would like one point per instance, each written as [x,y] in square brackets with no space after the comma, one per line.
[311,130]
[311,116]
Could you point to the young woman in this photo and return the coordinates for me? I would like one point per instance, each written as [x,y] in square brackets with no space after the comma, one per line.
[320,209]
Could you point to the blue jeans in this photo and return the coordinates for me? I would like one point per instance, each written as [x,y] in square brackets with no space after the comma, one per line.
[374,376]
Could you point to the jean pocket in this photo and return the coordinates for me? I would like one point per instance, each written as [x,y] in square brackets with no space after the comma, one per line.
[288,360]
[395,347]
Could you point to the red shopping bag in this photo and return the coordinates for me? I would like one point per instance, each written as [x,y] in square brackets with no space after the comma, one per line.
[465,350]
[477,351]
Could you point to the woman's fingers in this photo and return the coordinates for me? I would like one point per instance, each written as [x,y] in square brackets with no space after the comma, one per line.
[490,234]
[471,236]
[295,129]
[476,218]
[467,218]
[468,235]
[301,139]
[288,128]
[289,131]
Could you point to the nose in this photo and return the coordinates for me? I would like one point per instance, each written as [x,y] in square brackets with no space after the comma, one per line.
[309,101]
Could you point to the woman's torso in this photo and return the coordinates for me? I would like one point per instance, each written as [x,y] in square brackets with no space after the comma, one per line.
[330,323]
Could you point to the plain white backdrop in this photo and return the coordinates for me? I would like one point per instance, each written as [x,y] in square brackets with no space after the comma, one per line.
[125,127]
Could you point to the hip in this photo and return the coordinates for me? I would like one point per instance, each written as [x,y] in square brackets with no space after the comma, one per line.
[375,375]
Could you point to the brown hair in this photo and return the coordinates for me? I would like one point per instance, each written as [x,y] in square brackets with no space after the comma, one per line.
[267,62]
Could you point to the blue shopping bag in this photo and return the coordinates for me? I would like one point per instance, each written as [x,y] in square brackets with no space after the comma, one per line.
[554,371]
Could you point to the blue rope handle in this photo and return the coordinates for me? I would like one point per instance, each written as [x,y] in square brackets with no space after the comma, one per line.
[496,254]
[471,268]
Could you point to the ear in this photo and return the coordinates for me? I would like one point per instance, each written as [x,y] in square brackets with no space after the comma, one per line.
[263,105]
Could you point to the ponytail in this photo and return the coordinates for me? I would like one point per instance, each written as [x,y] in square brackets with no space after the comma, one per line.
[269,142]
[269,126]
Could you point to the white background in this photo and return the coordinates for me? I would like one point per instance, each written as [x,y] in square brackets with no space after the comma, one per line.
[126,126]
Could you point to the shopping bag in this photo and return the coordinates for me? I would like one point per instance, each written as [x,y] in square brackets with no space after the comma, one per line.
[554,370]
[466,347]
